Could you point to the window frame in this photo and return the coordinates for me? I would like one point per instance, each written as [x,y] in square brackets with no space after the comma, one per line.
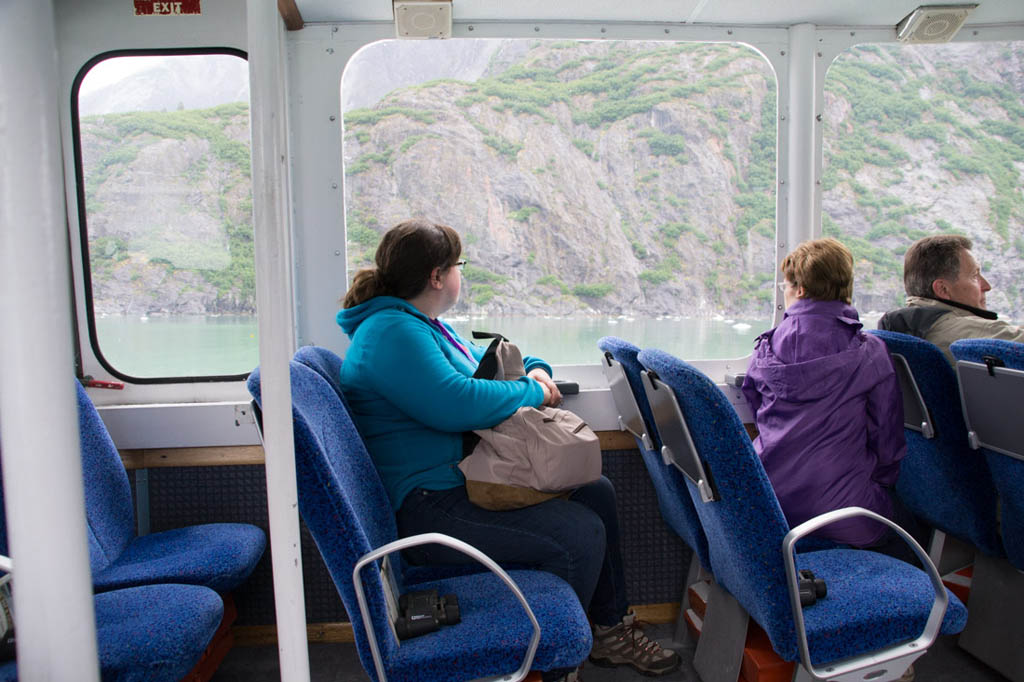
[83,228]
[758,41]
[837,43]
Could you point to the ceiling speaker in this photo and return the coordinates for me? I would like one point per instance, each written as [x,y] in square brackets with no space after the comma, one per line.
[932,23]
[423,18]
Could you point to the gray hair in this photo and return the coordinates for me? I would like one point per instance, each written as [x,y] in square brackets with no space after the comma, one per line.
[932,258]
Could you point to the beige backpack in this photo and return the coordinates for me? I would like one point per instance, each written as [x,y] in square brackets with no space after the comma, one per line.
[535,454]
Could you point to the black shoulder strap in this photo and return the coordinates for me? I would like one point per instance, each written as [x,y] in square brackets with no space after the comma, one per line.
[488,367]
[488,335]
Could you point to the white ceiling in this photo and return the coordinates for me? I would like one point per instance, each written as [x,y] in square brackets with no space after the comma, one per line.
[864,13]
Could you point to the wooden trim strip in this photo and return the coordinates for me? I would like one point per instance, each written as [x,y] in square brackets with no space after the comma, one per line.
[235,455]
[239,455]
[290,13]
[667,612]
[266,635]
[616,440]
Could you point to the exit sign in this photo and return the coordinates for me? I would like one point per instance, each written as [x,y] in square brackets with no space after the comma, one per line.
[157,7]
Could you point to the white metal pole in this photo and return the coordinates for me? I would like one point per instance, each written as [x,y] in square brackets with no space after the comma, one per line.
[800,146]
[42,467]
[276,320]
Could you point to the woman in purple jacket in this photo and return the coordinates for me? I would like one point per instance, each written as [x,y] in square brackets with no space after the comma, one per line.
[826,401]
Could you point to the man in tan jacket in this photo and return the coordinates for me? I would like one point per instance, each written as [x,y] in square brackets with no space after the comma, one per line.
[946,296]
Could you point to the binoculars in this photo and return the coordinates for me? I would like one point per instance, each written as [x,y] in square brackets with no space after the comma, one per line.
[811,589]
[425,611]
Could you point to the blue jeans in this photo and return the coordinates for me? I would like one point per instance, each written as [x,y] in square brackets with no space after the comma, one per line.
[576,539]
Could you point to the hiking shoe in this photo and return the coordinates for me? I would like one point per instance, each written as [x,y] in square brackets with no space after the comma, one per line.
[626,644]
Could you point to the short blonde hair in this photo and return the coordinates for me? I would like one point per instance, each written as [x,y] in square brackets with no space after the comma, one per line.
[823,267]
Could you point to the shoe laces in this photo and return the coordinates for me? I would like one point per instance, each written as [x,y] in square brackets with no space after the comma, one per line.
[634,629]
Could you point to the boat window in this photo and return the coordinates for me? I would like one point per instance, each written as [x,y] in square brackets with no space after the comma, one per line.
[920,140]
[165,204]
[622,188]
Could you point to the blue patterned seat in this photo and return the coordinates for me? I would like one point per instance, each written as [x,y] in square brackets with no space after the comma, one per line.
[215,555]
[874,601]
[154,633]
[941,480]
[328,365]
[669,484]
[325,363]
[343,503]
[992,399]
[1007,472]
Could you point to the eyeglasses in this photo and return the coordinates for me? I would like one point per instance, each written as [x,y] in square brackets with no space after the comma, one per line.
[783,285]
[460,264]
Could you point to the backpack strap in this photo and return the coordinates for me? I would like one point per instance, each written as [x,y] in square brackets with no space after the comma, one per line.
[488,367]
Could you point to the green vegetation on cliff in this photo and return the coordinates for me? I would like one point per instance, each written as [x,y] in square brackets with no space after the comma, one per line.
[911,136]
[136,166]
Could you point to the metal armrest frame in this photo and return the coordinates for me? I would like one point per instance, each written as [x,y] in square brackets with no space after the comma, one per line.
[447,541]
[907,650]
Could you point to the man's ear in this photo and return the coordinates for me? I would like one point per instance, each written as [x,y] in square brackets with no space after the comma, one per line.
[940,288]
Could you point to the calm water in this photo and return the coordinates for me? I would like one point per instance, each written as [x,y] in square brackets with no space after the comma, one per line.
[574,340]
[175,346]
[205,346]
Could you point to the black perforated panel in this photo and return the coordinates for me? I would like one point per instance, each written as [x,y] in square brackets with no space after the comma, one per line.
[654,557]
[190,495]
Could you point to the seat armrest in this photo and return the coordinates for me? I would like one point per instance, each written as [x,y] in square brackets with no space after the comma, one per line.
[911,649]
[5,564]
[465,548]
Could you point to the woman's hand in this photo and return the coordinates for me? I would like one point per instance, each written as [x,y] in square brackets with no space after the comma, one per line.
[552,396]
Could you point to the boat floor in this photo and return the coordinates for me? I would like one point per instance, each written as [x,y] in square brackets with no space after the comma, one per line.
[944,662]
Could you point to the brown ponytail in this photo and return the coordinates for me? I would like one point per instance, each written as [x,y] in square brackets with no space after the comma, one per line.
[406,256]
[366,284]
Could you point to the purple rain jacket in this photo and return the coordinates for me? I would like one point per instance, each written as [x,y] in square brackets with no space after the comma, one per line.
[829,410]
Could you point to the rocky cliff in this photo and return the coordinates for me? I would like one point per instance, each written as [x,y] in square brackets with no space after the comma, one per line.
[583,177]
[588,177]
[639,178]
[169,211]
[925,139]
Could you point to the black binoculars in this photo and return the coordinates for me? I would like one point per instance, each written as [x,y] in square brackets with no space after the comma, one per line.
[811,589]
[425,611]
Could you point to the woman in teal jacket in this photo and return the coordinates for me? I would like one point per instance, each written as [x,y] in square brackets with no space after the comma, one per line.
[407,377]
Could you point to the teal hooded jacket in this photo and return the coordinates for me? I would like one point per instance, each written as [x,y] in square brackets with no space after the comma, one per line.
[412,394]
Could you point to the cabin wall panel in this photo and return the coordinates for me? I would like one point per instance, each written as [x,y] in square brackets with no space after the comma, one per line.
[191,495]
[85,30]
[317,56]
[655,559]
